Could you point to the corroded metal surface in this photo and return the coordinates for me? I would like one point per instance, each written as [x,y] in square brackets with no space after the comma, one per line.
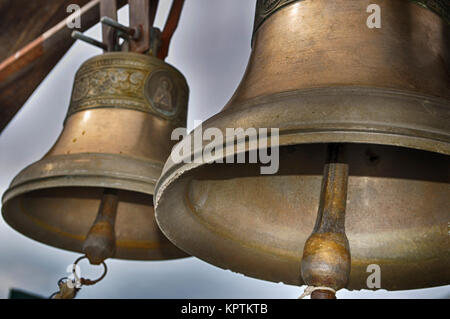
[265,8]
[104,144]
[330,79]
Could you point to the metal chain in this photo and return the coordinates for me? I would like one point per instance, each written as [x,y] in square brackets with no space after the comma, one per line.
[68,289]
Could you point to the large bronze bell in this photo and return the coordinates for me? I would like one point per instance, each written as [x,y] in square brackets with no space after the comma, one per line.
[320,75]
[116,136]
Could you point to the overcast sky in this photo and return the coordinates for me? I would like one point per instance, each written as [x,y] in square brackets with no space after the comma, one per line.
[211,48]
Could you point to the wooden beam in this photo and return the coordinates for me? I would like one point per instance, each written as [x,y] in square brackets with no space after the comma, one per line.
[22,21]
[22,72]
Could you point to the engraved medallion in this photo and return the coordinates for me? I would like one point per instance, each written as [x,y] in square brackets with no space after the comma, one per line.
[162,93]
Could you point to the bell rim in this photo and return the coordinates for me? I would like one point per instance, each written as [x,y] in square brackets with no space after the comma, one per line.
[168,251]
[20,187]
[28,179]
[431,140]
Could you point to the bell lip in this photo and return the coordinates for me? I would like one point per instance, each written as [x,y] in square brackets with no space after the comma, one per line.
[425,138]
[173,171]
[76,173]
[168,251]
[28,180]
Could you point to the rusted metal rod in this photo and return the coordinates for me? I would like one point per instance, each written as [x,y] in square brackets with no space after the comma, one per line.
[100,242]
[326,255]
[80,36]
[133,32]
[108,8]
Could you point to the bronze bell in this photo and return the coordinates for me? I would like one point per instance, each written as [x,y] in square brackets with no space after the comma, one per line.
[116,136]
[320,75]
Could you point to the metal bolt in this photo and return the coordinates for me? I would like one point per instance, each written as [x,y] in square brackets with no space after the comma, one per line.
[133,32]
[80,36]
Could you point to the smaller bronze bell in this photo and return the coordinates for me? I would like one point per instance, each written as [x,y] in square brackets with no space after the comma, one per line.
[123,109]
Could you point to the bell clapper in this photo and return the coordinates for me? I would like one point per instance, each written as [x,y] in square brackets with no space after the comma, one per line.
[99,245]
[100,242]
[325,266]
